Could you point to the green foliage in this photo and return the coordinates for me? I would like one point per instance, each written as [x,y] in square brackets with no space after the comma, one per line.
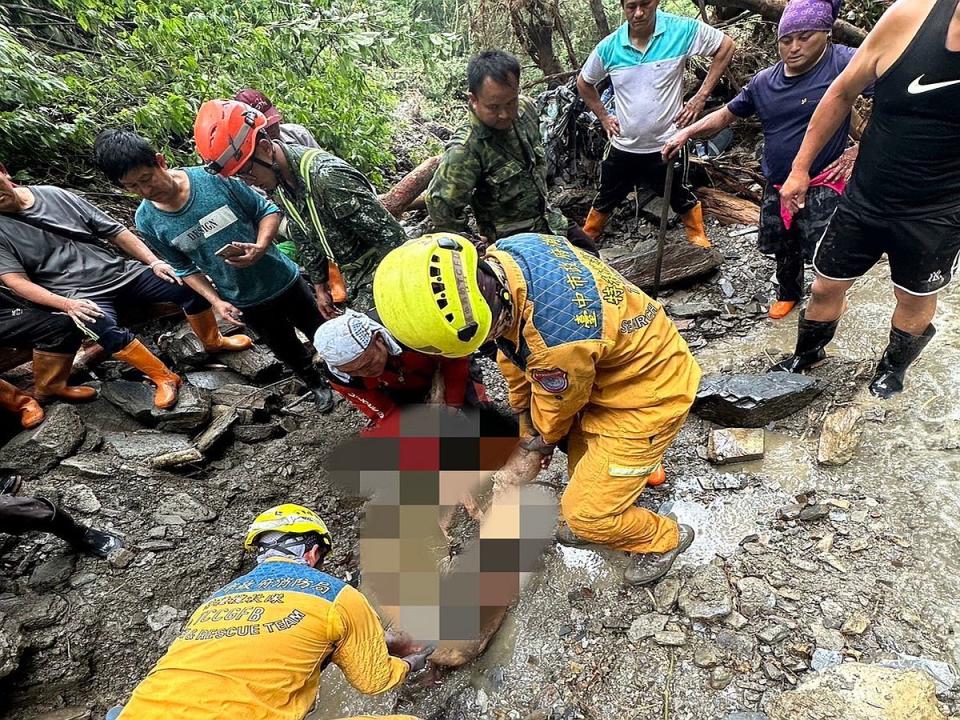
[149,64]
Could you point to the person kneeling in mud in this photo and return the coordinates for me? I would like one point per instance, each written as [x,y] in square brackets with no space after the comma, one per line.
[587,356]
[367,365]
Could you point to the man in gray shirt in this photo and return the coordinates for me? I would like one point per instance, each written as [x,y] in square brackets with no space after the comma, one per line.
[49,257]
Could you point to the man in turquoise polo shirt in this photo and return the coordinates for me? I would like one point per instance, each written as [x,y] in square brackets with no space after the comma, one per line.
[645,59]
[206,226]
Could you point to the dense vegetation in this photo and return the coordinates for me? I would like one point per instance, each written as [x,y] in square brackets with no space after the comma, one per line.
[72,67]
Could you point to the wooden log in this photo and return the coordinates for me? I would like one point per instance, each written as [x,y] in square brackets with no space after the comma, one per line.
[177,457]
[404,193]
[728,209]
[771,10]
[682,262]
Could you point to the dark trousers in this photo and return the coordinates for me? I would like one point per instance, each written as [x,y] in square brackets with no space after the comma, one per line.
[23,514]
[144,289]
[789,275]
[621,172]
[276,321]
[27,328]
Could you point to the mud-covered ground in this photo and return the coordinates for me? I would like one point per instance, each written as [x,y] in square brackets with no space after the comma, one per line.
[866,572]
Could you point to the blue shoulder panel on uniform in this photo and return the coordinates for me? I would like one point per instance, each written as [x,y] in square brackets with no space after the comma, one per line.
[674,36]
[280,576]
[566,301]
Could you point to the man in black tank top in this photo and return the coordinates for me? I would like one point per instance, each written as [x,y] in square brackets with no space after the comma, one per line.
[904,197]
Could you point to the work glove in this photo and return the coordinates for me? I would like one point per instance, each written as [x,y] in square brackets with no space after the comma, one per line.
[537,444]
[418,660]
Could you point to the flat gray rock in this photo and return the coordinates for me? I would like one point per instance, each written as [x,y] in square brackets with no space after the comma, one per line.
[752,401]
[136,399]
[35,451]
[145,444]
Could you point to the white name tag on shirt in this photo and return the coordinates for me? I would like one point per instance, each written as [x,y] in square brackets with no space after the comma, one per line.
[209,225]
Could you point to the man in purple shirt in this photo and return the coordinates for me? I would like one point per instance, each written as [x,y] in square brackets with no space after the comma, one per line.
[784,97]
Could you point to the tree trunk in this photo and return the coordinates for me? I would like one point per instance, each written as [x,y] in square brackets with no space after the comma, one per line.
[399,198]
[532,23]
[600,17]
[772,10]
[682,262]
[727,208]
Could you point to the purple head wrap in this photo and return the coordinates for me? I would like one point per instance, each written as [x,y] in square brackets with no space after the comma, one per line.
[807,15]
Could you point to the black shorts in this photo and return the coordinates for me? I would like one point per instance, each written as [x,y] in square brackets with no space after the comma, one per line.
[923,252]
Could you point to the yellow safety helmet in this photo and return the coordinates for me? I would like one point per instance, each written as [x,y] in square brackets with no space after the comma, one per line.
[427,295]
[291,519]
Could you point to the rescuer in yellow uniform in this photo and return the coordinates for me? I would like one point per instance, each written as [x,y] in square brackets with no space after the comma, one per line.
[255,649]
[588,357]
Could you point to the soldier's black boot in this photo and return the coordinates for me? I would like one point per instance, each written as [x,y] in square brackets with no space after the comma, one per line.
[80,537]
[902,350]
[812,338]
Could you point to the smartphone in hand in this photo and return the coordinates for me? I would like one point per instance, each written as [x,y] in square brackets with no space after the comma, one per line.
[229,251]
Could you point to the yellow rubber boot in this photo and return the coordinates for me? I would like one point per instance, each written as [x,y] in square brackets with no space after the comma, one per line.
[29,410]
[167,382]
[693,223]
[595,223]
[205,326]
[51,371]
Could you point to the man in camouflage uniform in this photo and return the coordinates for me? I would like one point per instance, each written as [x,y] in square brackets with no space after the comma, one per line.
[333,215]
[496,164]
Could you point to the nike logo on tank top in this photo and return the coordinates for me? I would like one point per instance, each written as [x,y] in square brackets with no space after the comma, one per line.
[909,162]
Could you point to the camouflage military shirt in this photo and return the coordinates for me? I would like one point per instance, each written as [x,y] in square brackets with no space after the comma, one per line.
[501,174]
[357,227]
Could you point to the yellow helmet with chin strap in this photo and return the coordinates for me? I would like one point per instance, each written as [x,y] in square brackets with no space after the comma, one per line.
[427,295]
[289,519]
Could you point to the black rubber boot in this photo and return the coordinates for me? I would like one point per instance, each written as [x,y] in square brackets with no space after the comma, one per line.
[902,350]
[81,538]
[319,387]
[10,484]
[812,338]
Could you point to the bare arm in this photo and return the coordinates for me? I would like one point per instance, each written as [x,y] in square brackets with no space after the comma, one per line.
[591,99]
[201,286]
[705,126]
[22,285]
[137,249]
[694,106]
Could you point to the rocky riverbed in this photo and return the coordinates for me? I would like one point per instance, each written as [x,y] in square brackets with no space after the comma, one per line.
[813,587]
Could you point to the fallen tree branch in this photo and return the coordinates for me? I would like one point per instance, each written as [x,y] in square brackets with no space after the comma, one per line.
[550,78]
[772,10]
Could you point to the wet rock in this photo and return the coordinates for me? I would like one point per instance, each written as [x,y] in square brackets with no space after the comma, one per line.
[665,594]
[646,626]
[706,595]
[773,634]
[214,379]
[739,646]
[35,612]
[827,638]
[790,512]
[161,617]
[67,713]
[136,399]
[812,513]
[35,451]
[773,671]
[724,481]
[856,624]
[182,347]
[840,436]
[11,645]
[756,596]
[732,445]
[186,507]
[943,676]
[752,401]
[256,433]
[707,656]
[81,499]
[692,310]
[736,621]
[670,638]
[94,466]
[823,659]
[854,691]
[256,363]
[247,397]
[105,417]
[223,420]
[52,572]
[832,614]
[746,716]
[145,444]
[859,544]
[121,558]
[720,678]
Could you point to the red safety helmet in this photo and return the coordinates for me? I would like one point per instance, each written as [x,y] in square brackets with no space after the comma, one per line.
[226,135]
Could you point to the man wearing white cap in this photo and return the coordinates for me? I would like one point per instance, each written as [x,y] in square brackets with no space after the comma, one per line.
[377,374]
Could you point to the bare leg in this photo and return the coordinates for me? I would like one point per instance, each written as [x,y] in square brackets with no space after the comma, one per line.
[827,300]
[913,313]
